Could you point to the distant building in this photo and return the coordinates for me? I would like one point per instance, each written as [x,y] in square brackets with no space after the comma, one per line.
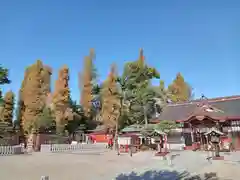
[198,116]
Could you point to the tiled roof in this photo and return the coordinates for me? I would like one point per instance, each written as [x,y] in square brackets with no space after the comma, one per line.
[227,106]
[99,128]
[132,128]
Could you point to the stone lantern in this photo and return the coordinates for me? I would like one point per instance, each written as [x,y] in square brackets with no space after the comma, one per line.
[215,139]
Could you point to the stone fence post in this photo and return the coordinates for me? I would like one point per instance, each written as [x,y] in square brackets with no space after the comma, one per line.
[44,178]
[11,150]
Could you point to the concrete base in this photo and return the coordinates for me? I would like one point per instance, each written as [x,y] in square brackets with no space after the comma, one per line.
[161,154]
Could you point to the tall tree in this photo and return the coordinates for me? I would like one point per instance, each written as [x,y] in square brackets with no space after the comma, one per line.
[33,98]
[86,83]
[110,99]
[45,121]
[77,121]
[139,97]
[8,108]
[20,104]
[179,90]
[46,82]
[163,91]
[60,100]
[44,76]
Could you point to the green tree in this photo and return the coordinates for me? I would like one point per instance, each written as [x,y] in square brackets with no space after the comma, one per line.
[162,92]
[3,80]
[6,107]
[138,94]
[161,97]
[96,102]
[179,90]
[166,126]
[1,101]
[20,109]
[4,75]
[78,118]
[142,103]
[45,121]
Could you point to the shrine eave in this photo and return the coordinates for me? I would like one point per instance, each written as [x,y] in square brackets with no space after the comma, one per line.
[214,118]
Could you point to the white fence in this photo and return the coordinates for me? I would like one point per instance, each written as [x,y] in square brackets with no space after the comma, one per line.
[60,147]
[19,149]
[175,146]
[11,150]
[70,147]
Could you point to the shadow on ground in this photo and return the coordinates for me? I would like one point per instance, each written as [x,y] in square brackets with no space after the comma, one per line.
[166,175]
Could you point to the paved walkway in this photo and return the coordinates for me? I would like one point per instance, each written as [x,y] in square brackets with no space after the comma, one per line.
[107,165]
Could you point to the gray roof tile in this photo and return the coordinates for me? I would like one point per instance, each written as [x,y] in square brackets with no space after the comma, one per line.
[229,105]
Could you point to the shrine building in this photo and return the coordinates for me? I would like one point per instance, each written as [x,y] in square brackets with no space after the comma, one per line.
[198,116]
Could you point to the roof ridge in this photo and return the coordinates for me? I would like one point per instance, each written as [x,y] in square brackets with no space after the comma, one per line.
[211,100]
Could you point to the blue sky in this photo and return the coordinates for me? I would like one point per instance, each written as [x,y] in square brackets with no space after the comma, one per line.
[200,39]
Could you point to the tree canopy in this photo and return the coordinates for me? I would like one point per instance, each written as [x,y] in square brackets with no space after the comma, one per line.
[4,75]
[8,107]
[86,83]
[166,126]
[180,90]
[61,98]
[120,100]
[33,95]
[138,93]
[3,80]
[110,99]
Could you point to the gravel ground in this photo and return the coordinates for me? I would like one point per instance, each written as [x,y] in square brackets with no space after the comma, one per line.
[99,164]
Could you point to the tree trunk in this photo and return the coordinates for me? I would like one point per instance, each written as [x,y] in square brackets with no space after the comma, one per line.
[167,149]
[145,116]
[117,122]
[116,134]
[59,122]
[30,139]
[37,142]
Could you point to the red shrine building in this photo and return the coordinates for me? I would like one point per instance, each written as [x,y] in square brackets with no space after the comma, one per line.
[199,116]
